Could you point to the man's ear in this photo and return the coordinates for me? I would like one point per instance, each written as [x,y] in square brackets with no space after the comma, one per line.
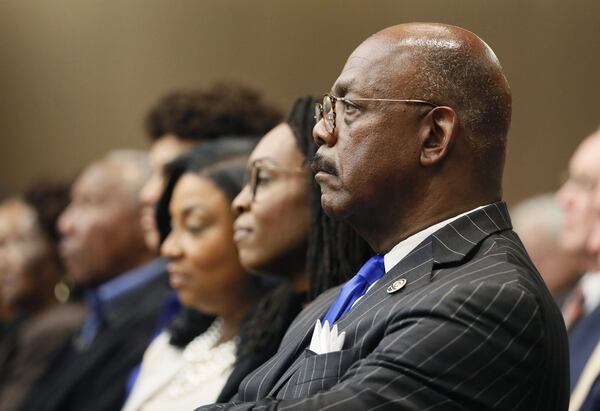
[439,129]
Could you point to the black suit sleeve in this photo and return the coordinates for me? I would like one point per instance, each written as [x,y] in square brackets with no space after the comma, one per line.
[438,357]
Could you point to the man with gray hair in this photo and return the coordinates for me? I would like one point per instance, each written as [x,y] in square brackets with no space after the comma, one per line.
[105,255]
[579,196]
[538,221]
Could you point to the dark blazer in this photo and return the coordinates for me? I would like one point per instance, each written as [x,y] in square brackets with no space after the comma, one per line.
[583,339]
[35,343]
[474,328]
[94,378]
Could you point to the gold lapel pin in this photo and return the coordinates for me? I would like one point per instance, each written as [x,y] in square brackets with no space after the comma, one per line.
[396,285]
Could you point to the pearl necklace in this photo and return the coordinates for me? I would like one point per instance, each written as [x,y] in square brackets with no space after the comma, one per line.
[203,360]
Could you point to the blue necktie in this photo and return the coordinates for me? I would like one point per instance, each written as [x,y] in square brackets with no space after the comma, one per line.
[370,272]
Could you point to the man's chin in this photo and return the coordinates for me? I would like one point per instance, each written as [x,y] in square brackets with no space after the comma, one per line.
[333,205]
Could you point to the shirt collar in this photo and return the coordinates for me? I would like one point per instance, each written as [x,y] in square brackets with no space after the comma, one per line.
[113,291]
[590,287]
[404,247]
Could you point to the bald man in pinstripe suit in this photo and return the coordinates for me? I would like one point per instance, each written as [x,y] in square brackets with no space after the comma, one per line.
[411,152]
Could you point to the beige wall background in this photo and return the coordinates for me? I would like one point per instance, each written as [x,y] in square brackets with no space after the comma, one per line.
[76,76]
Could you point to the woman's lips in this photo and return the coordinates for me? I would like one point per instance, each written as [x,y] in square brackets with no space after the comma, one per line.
[241,233]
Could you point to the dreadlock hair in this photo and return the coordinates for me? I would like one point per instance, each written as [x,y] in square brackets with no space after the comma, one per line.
[334,253]
[223,162]
[224,108]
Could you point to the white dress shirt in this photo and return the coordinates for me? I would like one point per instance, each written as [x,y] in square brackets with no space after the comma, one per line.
[590,287]
[325,338]
[404,247]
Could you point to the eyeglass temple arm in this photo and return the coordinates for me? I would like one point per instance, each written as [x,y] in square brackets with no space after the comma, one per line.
[392,100]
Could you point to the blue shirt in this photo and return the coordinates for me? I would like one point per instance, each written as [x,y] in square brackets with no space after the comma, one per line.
[103,302]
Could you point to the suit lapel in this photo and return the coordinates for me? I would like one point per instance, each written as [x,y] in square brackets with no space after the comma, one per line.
[415,268]
[451,244]
[305,325]
[457,240]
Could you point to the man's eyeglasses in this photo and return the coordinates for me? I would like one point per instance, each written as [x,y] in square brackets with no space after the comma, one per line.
[255,178]
[326,110]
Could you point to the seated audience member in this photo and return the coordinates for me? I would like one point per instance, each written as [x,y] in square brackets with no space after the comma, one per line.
[30,269]
[176,123]
[538,222]
[105,254]
[282,232]
[450,314]
[576,198]
[183,368]
[282,211]
[581,198]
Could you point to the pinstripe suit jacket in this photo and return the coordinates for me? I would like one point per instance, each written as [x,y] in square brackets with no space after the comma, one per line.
[473,329]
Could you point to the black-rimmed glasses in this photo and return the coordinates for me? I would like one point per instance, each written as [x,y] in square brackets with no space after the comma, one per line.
[326,110]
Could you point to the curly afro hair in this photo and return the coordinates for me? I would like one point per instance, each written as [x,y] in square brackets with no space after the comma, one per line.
[222,109]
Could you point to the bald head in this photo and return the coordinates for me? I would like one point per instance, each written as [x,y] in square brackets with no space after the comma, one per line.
[101,234]
[453,67]
[576,196]
[428,101]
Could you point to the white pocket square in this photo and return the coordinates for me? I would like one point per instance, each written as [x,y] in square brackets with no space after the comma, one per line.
[325,340]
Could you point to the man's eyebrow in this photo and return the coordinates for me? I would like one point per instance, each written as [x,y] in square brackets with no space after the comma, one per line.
[340,88]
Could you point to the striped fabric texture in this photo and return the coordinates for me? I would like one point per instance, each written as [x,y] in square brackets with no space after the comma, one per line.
[474,328]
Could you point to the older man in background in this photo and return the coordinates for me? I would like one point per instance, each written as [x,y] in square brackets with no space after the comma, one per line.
[538,221]
[105,254]
[580,196]
[576,198]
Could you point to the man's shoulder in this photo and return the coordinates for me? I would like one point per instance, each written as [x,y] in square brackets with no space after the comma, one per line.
[500,259]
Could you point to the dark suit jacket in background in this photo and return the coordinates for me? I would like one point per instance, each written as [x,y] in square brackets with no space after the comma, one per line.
[32,347]
[473,329]
[583,339]
[94,379]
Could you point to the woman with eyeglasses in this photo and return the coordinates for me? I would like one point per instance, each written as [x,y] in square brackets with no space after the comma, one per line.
[282,232]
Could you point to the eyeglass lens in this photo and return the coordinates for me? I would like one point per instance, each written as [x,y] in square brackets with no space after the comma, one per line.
[329,113]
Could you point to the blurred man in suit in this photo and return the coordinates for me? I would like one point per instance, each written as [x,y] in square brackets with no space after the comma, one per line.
[105,255]
[539,221]
[580,197]
[451,314]
[576,198]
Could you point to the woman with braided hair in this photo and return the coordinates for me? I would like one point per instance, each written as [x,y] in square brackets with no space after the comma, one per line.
[281,231]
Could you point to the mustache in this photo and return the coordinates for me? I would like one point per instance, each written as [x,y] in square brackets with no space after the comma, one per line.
[320,163]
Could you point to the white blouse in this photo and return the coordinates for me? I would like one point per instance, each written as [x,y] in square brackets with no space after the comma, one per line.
[175,379]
